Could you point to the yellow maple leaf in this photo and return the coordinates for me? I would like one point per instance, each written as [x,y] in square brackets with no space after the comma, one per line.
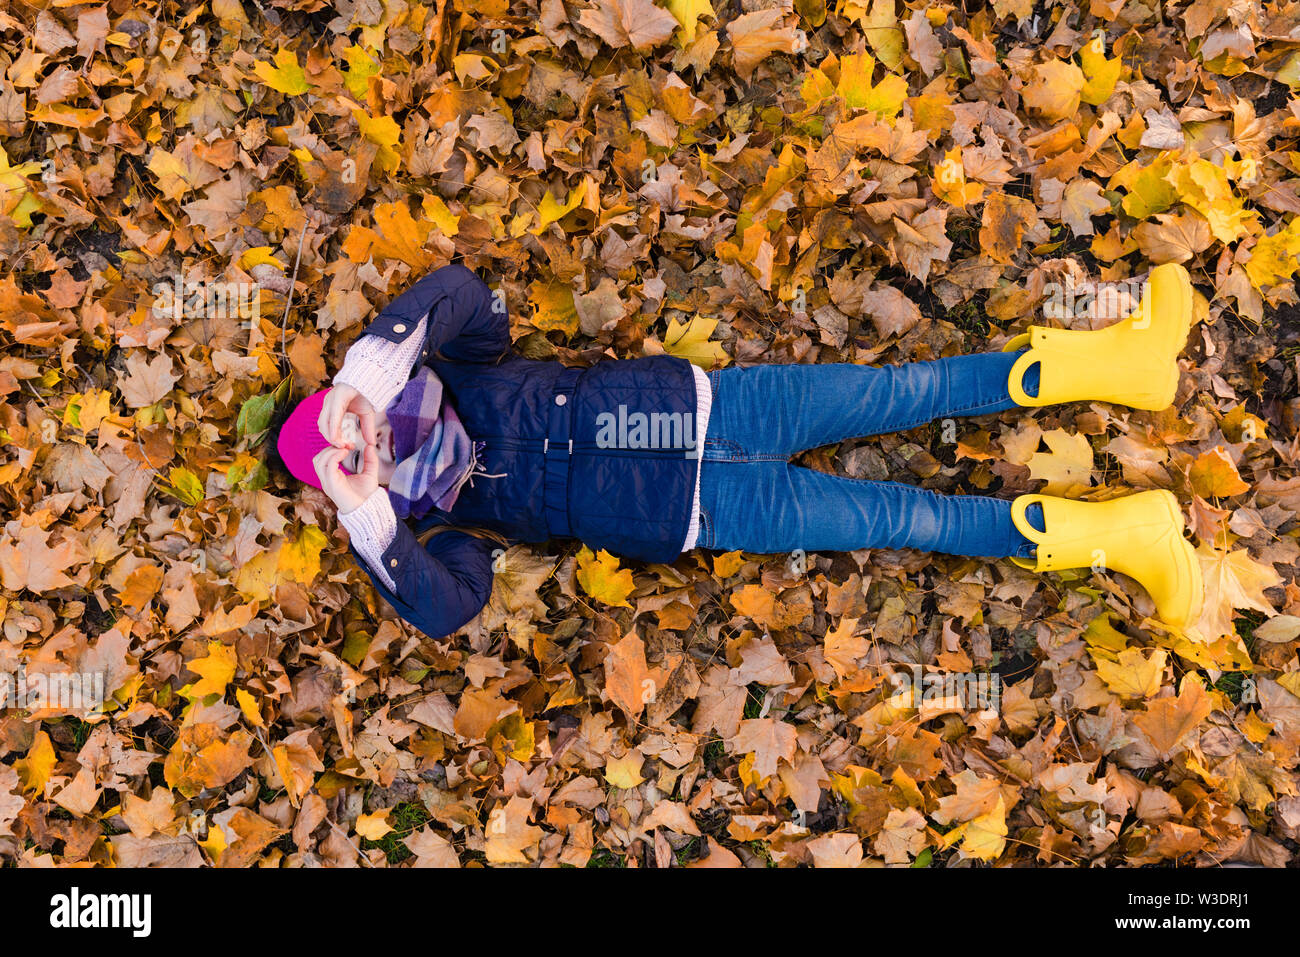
[625,772]
[199,758]
[1100,74]
[883,33]
[728,563]
[375,825]
[950,181]
[885,98]
[690,341]
[629,681]
[215,843]
[396,235]
[688,14]
[215,671]
[471,68]
[982,837]
[1167,721]
[19,202]
[259,575]
[1203,186]
[816,88]
[1147,186]
[441,216]
[176,174]
[553,307]
[1055,90]
[248,705]
[842,647]
[1067,466]
[601,578]
[1100,633]
[257,256]
[362,65]
[510,838]
[299,561]
[1274,259]
[512,737]
[34,770]
[551,210]
[1131,673]
[1215,475]
[384,132]
[186,486]
[285,76]
[86,410]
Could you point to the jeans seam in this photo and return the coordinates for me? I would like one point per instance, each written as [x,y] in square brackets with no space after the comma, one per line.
[907,426]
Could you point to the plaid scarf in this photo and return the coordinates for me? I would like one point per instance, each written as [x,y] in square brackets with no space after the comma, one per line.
[435,456]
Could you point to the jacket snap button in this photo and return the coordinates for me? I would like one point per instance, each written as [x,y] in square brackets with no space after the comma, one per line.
[399,328]
[392,563]
[561,399]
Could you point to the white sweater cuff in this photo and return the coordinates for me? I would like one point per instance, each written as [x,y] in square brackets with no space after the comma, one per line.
[372,526]
[378,368]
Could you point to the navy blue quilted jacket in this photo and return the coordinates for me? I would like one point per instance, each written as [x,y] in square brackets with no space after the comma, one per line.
[539,421]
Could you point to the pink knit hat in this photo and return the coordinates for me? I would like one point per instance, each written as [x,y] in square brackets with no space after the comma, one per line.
[300,440]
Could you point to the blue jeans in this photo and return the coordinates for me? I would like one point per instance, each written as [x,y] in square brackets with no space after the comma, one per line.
[752,499]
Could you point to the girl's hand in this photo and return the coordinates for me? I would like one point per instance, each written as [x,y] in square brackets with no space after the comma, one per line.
[348,492]
[341,400]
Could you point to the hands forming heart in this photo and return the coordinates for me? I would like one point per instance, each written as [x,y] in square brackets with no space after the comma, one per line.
[347,491]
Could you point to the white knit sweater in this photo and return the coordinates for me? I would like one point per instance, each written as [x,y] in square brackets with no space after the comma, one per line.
[379,369]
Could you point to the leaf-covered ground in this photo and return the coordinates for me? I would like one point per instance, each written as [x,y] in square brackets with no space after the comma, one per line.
[738,183]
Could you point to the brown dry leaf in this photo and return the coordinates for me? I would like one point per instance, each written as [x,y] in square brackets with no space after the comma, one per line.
[756,36]
[1214,475]
[629,681]
[1053,91]
[1167,721]
[1233,580]
[1002,230]
[635,23]
[30,562]
[147,380]
[510,839]
[768,739]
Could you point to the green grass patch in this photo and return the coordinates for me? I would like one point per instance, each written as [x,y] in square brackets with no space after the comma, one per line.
[404,819]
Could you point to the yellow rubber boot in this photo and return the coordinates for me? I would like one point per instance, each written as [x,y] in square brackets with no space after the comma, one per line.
[1133,363]
[1140,535]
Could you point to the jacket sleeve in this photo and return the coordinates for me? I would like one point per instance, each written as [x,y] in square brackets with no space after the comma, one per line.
[440,586]
[466,320]
[450,312]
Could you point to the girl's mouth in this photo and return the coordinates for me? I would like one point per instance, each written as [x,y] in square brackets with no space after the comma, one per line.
[392,446]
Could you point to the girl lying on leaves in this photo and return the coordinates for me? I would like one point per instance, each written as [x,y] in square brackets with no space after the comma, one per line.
[432,421]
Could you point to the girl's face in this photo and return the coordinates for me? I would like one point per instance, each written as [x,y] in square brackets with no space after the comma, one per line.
[384,446]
